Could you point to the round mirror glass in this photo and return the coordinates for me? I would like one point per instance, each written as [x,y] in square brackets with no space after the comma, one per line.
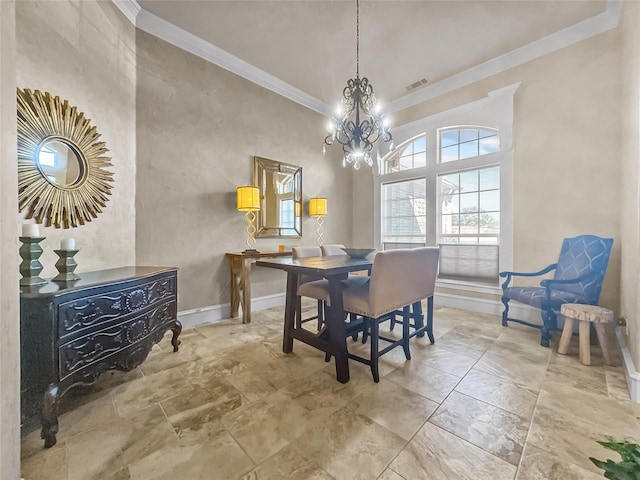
[60,163]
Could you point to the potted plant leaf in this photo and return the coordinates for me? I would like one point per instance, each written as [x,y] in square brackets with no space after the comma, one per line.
[626,469]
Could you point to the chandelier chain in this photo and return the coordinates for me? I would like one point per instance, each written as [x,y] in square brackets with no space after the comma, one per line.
[357,38]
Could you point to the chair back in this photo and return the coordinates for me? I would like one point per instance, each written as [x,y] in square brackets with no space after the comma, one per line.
[303,252]
[402,277]
[332,250]
[582,255]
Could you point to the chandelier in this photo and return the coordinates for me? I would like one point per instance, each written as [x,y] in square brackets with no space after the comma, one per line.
[357,135]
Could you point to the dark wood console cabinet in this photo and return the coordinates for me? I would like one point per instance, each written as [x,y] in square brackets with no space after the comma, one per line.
[72,332]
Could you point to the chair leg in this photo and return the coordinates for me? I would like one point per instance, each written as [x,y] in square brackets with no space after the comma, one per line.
[418,317]
[505,312]
[373,325]
[548,322]
[405,332]
[320,314]
[297,322]
[430,319]
[353,318]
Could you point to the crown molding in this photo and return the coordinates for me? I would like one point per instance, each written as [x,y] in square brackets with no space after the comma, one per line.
[150,23]
[607,20]
[130,9]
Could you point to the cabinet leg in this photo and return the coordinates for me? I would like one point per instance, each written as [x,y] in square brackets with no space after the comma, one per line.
[50,416]
[176,329]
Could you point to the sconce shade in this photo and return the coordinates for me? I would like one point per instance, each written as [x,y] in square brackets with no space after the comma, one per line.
[317,207]
[248,198]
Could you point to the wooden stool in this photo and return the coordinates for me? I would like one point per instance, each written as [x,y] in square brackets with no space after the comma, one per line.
[585,315]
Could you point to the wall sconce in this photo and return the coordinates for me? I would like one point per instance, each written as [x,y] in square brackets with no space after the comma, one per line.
[318,209]
[249,202]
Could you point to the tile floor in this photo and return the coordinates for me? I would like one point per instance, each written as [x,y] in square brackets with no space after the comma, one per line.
[484,402]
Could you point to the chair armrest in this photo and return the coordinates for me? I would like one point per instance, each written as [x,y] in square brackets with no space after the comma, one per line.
[508,275]
[550,283]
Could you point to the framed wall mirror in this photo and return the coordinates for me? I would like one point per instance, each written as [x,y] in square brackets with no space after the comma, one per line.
[62,168]
[280,186]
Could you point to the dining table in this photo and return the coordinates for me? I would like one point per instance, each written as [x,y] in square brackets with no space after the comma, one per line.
[331,338]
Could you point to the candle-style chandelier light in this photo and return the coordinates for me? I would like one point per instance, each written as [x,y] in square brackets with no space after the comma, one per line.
[357,135]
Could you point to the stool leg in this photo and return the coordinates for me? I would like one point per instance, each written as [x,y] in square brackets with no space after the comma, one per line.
[602,338]
[585,348]
[565,339]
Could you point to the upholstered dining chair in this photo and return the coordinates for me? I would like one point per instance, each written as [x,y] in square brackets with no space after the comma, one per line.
[398,279]
[577,278]
[336,249]
[316,288]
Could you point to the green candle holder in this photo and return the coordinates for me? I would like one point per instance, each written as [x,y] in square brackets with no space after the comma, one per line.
[30,267]
[66,264]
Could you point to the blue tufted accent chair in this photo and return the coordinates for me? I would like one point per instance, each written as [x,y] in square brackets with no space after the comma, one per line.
[578,278]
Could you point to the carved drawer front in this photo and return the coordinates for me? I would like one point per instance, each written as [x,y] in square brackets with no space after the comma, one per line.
[83,313]
[94,347]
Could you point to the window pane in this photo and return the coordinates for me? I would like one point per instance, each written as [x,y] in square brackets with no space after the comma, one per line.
[406,163]
[469,223]
[490,223]
[490,178]
[490,201]
[420,160]
[469,149]
[469,202]
[489,145]
[467,134]
[449,137]
[420,145]
[449,154]
[404,209]
[449,225]
[469,181]
[449,183]
[486,133]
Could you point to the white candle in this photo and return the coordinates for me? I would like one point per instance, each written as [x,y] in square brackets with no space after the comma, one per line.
[68,244]
[30,230]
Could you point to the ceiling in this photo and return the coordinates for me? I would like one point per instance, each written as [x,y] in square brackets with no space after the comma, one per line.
[311,45]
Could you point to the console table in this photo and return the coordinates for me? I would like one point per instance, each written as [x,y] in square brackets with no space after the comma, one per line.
[240,279]
[71,332]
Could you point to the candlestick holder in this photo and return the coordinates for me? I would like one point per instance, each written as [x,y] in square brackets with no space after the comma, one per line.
[30,267]
[66,264]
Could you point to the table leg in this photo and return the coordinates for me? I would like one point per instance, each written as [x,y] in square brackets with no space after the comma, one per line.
[335,325]
[245,280]
[291,302]
[234,286]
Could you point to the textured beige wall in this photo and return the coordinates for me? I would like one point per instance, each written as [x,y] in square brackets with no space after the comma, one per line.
[630,178]
[566,150]
[85,52]
[198,128]
[9,295]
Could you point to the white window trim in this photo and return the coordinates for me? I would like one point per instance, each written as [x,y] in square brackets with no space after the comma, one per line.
[494,110]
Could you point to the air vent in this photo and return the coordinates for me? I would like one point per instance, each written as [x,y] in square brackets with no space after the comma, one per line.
[417,84]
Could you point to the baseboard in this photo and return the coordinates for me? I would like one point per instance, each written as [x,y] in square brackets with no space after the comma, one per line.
[488,306]
[630,372]
[199,317]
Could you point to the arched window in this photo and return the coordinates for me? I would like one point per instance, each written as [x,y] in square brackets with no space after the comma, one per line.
[411,154]
[450,184]
[457,143]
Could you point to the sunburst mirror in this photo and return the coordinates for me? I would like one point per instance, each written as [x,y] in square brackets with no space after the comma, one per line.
[62,175]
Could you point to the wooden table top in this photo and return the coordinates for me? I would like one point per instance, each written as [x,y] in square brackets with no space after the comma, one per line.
[321,266]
